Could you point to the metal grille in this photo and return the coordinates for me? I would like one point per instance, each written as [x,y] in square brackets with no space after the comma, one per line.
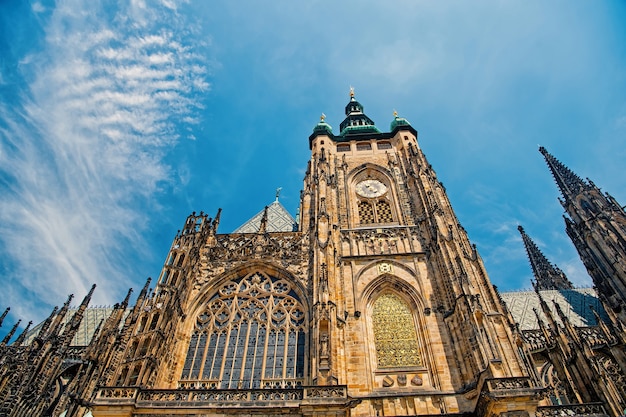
[366,212]
[251,334]
[378,212]
[383,212]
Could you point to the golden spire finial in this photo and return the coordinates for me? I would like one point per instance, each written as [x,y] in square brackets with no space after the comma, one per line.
[322,117]
[395,113]
[351,92]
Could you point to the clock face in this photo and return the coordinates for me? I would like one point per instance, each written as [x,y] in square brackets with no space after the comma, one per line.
[371,188]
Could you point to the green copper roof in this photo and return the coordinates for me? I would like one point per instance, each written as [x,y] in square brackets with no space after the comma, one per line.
[357,126]
[398,121]
[323,127]
[356,121]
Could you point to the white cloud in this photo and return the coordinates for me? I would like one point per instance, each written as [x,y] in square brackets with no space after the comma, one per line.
[38,7]
[84,152]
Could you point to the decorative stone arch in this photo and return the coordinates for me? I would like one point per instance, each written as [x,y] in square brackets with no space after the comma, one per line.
[247,329]
[378,209]
[396,333]
[207,290]
[58,387]
[557,393]
[372,273]
[612,371]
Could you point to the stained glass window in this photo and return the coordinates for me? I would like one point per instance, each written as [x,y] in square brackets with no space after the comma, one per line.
[251,334]
[394,333]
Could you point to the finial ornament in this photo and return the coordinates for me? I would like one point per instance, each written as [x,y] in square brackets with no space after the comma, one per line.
[280,188]
[395,113]
[322,117]
[351,92]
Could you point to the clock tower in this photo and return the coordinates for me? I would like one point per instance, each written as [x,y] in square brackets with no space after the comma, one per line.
[404,313]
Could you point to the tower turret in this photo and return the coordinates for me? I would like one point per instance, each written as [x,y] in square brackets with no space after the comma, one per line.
[596,223]
[356,120]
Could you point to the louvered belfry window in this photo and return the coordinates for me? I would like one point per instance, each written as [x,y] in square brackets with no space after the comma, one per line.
[251,334]
[375,212]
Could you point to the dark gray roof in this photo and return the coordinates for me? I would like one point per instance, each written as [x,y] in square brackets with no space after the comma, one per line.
[574,303]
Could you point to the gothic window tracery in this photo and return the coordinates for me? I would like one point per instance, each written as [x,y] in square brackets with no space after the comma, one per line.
[558,391]
[395,336]
[251,334]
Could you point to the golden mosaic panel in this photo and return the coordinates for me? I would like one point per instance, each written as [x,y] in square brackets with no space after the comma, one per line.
[394,333]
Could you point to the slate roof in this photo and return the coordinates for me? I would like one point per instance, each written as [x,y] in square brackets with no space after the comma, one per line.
[574,303]
[278,220]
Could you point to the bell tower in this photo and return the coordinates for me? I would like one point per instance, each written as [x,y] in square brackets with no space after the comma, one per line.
[405,314]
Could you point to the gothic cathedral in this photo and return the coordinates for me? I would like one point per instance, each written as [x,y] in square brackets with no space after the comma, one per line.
[372,303]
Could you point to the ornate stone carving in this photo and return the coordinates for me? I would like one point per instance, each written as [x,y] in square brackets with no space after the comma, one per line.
[385,268]
[417,381]
[590,409]
[117,393]
[388,381]
[401,380]
[290,250]
[593,336]
[534,339]
[382,240]
[326,392]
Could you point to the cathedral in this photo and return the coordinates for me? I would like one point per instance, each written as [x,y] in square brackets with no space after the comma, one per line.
[371,302]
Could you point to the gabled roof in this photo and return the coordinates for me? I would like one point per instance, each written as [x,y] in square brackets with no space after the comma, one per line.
[574,303]
[278,220]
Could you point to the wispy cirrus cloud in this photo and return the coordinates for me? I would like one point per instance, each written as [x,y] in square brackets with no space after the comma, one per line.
[82,150]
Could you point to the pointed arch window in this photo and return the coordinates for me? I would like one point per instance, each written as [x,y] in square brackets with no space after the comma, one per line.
[251,334]
[395,336]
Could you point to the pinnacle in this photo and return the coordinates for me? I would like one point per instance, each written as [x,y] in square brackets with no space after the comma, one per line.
[547,275]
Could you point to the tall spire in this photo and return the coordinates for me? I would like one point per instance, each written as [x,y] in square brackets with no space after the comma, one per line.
[547,275]
[569,183]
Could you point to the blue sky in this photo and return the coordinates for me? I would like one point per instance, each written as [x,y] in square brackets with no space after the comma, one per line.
[119,118]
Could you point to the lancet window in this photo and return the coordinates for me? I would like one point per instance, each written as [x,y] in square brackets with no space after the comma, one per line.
[251,334]
[395,336]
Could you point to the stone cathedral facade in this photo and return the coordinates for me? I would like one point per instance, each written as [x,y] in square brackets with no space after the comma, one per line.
[373,302]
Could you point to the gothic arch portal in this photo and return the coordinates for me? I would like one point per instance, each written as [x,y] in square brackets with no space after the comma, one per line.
[249,329]
[398,338]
